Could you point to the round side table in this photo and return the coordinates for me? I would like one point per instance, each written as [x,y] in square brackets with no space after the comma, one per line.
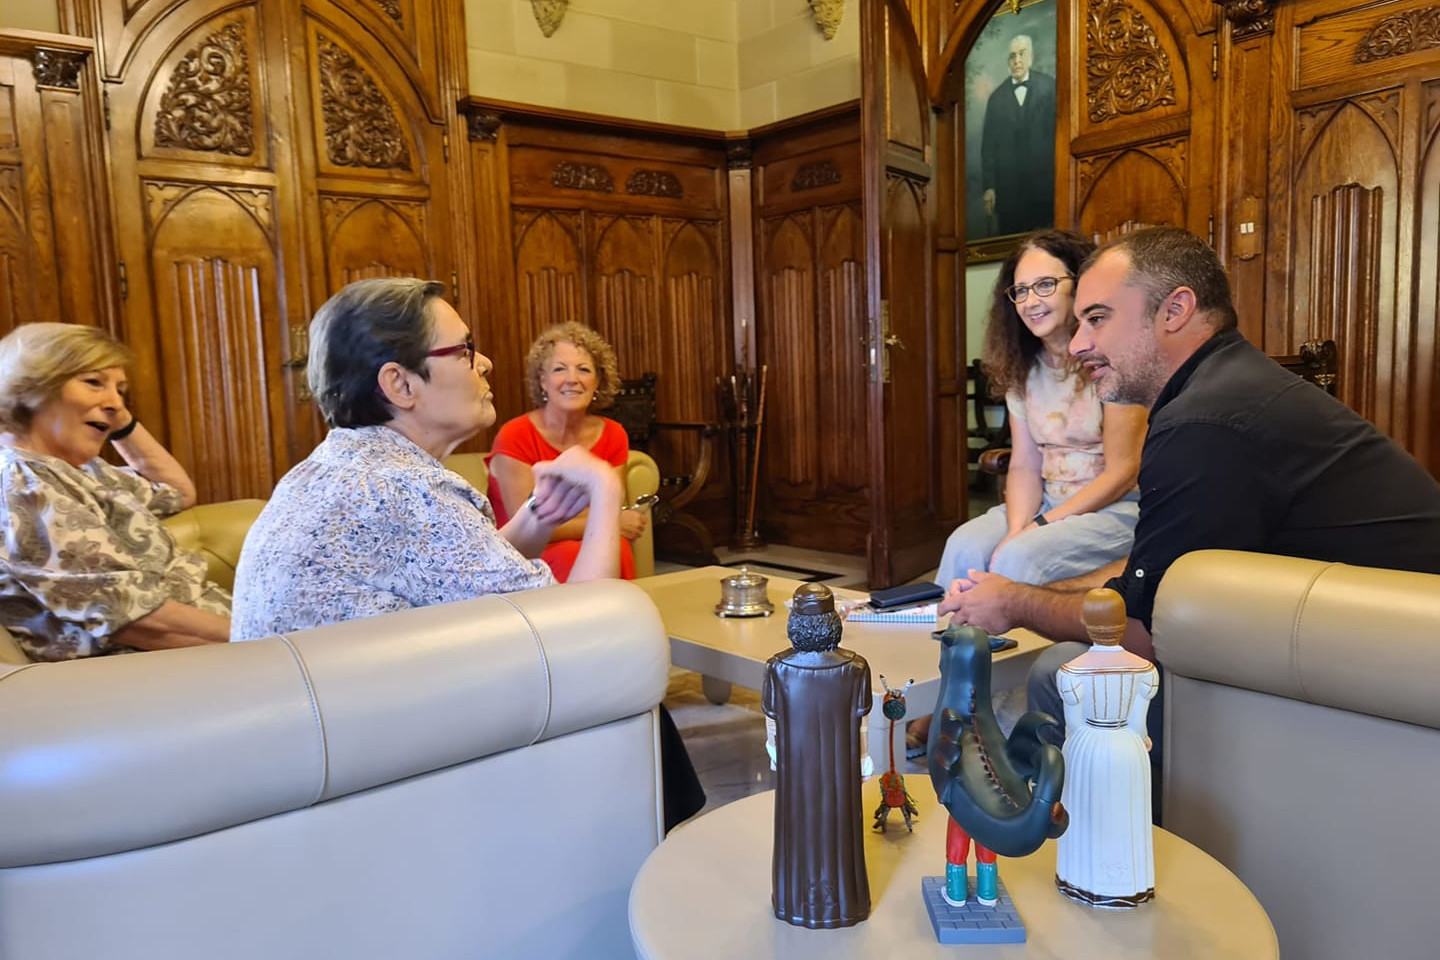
[705,892]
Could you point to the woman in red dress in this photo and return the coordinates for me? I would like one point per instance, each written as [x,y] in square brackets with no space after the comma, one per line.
[570,371]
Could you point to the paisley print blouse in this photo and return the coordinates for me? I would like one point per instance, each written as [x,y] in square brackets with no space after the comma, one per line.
[1064,415]
[85,554]
[370,523]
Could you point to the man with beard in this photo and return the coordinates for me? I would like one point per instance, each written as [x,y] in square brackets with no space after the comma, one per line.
[1240,455]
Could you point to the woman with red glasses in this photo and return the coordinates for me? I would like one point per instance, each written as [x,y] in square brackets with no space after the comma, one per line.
[372,521]
[570,372]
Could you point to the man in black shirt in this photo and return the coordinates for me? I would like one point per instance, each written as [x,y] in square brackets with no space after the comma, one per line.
[1240,454]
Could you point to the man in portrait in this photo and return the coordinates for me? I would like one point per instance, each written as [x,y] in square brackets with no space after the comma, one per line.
[1017,153]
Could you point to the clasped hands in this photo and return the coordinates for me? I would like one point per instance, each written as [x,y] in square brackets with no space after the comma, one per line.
[981,600]
[570,483]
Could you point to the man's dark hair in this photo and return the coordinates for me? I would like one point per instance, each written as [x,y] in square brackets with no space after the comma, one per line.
[368,324]
[1164,258]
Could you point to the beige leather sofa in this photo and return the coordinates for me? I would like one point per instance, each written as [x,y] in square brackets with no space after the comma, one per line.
[217,531]
[479,779]
[1302,743]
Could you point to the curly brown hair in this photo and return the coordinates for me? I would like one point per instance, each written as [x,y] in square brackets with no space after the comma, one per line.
[607,368]
[1010,348]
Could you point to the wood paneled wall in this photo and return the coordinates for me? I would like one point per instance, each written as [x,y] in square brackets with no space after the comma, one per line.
[620,226]
[56,251]
[1331,211]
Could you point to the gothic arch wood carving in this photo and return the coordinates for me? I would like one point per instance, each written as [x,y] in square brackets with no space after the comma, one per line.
[207,105]
[789,344]
[391,8]
[367,238]
[1170,154]
[1401,34]
[692,341]
[1431,93]
[361,129]
[654,183]
[161,197]
[1127,70]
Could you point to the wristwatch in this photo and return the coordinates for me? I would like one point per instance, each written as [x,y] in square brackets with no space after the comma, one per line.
[1040,520]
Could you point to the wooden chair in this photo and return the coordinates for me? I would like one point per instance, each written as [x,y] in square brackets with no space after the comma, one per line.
[634,409]
[985,436]
[1318,362]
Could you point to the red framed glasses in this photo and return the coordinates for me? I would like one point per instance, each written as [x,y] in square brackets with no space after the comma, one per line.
[468,348]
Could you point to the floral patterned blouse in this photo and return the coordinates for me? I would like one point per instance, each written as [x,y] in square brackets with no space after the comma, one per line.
[85,555]
[367,524]
[1064,415]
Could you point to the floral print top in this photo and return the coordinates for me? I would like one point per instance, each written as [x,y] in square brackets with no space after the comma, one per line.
[370,523]
[85,555]
[1064,416]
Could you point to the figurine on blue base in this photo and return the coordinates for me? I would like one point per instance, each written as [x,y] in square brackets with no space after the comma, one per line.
[1002,794]
[816,693]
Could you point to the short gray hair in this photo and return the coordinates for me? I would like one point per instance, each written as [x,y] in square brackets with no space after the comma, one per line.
[368,324]
[37,359]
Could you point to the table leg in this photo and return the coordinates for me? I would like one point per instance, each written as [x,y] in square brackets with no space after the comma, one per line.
[716,691]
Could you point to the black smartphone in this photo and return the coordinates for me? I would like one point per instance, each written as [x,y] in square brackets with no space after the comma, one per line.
[906,596]
[1002,643]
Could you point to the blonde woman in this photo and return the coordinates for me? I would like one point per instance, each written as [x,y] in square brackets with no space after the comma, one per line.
[87,568]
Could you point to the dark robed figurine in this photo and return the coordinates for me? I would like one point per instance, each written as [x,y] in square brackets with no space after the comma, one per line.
[816,694]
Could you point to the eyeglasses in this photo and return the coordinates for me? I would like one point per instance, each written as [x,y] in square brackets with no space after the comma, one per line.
[1042,287]
[468,347]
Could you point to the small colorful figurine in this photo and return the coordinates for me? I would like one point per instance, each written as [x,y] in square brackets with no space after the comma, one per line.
[893,795]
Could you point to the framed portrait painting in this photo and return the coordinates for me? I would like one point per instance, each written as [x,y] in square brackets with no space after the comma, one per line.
[1010,128]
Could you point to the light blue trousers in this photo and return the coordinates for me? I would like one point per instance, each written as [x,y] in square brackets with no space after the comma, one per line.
[1057,551]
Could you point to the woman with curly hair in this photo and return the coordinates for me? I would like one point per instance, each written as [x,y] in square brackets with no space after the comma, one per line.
[1070,498]
[570,372]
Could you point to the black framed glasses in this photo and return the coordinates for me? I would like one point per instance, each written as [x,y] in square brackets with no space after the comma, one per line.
[468,347]
[1041,286]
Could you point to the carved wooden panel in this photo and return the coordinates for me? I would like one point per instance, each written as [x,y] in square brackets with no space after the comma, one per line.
[556,176]
[214,271]
[367,238]
[1425,443]
[548,258]
[207,104]
[787,343]
[1142,184]
[362,127]
[1347,43]
[1344,237]
[55,247]
[905,248]
[842,328]
[625,288]
[1129,70]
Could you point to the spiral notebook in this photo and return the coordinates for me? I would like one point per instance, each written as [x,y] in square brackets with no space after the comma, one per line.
[864,613]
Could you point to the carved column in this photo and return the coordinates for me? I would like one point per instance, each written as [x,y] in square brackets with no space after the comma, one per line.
[742,251]
[1248,18]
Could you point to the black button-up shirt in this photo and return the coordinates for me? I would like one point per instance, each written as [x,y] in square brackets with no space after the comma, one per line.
[1241,454]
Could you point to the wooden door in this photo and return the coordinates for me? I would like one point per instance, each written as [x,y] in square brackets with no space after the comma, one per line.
[906,509]
[207,205]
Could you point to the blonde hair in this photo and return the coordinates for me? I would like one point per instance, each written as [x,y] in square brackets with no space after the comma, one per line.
[607,368]
[37,359]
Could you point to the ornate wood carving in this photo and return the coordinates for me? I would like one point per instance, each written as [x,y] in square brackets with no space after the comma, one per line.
[1248,18]
[739,154]
[828,14]
[1432,108]
[1384,107]
[334,210]
[392,10]
[360,125]
[654,183]
[1401,34]
[483,127]
[813,176]
[548,14]
[1310,120]
[162,196]
[207,106]
[1127,70]
[58,68]
[569,175]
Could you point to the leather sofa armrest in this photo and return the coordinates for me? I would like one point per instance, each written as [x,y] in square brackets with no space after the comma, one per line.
[1354,638]
[217,532]
[148,748]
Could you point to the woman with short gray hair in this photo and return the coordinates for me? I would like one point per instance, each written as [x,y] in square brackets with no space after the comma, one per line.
[372,521]
[86,567]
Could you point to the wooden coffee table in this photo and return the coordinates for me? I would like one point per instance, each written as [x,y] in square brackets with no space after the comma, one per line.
[705,892]
[734,650]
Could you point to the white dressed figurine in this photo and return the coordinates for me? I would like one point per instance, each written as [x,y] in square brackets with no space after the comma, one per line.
[1107,857]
